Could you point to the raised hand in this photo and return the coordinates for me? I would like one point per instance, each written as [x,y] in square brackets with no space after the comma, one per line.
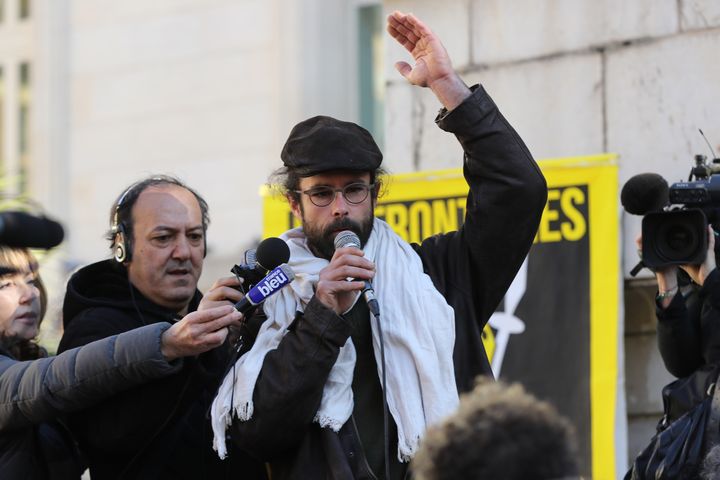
[199,332]
[433,67]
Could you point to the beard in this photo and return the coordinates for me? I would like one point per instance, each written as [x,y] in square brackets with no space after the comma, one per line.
[322,240]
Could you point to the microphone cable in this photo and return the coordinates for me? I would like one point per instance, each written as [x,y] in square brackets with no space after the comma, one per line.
[386,422]
[348,238]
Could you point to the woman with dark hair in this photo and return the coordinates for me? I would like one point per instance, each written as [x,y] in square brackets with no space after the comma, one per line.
[19,326]
[35,391]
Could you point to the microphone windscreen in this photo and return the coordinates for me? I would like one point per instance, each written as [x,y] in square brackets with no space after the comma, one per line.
[272,252]
[22,230]
[346,238]
[644,193]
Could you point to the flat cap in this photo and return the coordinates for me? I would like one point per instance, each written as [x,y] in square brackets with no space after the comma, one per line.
[320,144]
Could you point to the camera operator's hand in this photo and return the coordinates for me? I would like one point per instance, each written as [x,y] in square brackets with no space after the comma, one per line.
[666,279]
[699,273]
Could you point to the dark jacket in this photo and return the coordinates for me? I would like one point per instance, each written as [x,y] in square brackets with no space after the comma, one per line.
[157,430]
[689,328]
[472,268]
[33,395]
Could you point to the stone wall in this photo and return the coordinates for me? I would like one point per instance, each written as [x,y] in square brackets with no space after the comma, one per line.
[580,77]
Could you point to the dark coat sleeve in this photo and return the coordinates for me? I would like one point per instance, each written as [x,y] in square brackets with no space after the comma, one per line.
[474,266]
[39,390]
[122,424]
[506,199]
[290,386]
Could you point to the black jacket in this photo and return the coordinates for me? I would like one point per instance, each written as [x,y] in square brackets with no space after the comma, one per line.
[689,328]
[157,430]
[472,268]
[34,394]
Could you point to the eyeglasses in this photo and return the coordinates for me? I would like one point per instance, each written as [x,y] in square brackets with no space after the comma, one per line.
[323,196]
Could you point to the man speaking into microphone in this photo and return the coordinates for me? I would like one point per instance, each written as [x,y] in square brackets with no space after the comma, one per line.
[307,397]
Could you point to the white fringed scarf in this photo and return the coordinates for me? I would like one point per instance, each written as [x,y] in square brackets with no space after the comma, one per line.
[418,329]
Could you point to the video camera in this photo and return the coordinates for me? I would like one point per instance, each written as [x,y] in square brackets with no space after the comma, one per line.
[674,226]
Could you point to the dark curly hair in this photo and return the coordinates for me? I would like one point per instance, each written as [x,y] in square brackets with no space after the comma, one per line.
[499,432]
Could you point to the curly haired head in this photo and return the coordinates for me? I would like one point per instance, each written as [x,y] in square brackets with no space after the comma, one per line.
[499,432]
[711,465]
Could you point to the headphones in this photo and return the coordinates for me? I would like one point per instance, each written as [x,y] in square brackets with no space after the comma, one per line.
[122,249]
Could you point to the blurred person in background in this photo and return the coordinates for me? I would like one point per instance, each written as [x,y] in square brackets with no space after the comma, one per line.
[499,432]
[35,391]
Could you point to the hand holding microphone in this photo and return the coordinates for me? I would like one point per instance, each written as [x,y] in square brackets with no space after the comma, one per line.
[334,289]
[270,253]
[198,332]
[273,282]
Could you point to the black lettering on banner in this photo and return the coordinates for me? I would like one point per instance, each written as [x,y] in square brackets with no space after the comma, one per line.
[418,219]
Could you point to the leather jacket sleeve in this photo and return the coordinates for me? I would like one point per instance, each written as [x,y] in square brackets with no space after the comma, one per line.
[506,199]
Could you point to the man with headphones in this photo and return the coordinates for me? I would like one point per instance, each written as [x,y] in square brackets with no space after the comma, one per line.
[160,429]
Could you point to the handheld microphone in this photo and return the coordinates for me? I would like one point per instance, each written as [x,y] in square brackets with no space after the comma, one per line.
[272,283]
[270,253]
[22,230]
[644,193]
[347,238]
